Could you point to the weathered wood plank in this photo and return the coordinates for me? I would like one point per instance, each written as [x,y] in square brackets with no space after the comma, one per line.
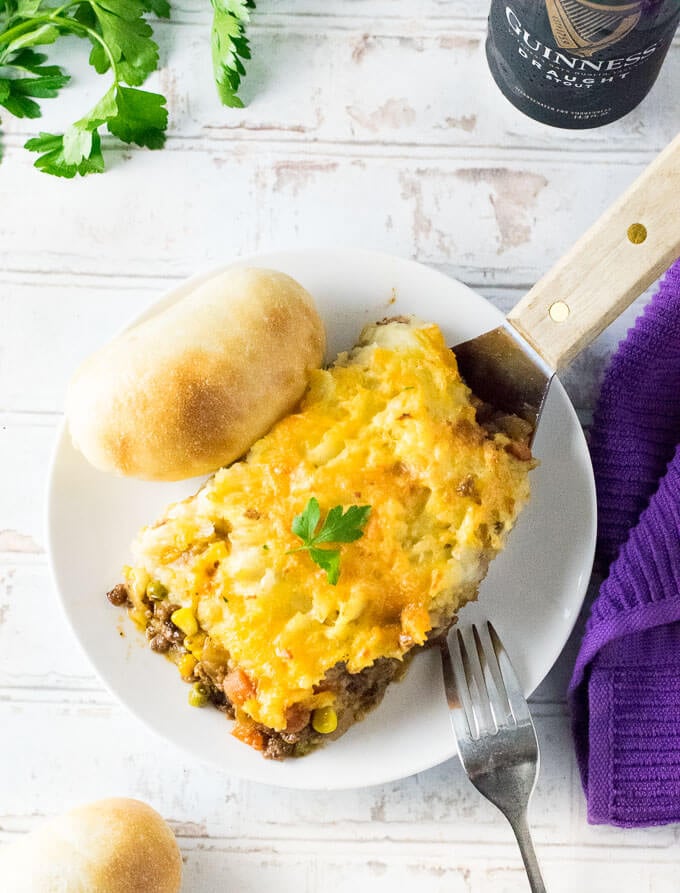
[505,220]
[250,868]
[311,80]
[39,321]
[410,10]
[458,872]
[435,807]
[26,443]
[37,646]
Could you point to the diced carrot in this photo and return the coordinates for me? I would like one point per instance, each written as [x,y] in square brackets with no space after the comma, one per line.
[238,687]
[249,735]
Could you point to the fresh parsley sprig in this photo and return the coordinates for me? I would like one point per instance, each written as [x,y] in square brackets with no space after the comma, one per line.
[338,527]
[230,47]
[121,43]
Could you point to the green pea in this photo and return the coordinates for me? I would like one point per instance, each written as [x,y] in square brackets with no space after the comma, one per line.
[198,696]
[156,591]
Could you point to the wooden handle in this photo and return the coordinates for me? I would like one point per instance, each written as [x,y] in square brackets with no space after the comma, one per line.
[617,259]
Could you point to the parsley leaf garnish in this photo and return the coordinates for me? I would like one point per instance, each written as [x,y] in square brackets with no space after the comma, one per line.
[122,43]
[230,47]
[339,527]
[30,78]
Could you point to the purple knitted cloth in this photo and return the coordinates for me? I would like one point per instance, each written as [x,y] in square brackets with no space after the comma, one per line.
[625,691]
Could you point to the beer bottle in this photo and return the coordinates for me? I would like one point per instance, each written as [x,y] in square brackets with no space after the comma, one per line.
[579,63]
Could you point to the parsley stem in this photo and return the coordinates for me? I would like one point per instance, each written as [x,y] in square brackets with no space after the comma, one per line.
[68,24]
[17,31]
[25,27]
[72,25]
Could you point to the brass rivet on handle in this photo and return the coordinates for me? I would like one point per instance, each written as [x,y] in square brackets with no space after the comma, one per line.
[559,311]
[637,233]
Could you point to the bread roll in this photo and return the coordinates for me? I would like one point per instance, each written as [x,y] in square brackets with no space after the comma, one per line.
[192,388]
[111,846]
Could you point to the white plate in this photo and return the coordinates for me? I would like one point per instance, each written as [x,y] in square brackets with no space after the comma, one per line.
[533,592]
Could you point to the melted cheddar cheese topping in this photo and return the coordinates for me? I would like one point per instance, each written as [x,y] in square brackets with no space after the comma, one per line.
[390,425]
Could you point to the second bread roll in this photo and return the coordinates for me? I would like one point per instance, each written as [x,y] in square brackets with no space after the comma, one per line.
[192,388]
[111,846]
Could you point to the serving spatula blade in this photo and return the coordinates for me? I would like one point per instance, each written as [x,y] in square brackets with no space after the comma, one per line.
[619,257]
[504,371]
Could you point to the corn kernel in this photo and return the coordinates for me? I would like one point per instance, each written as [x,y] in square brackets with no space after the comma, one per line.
[186,665]
[325,720]
[184,619]
[198,696]
[194,644]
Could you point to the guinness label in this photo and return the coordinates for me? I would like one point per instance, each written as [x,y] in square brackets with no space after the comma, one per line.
[586,26]
[579,63]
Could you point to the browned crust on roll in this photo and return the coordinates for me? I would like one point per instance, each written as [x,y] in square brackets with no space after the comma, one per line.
[193,387]
[116,845]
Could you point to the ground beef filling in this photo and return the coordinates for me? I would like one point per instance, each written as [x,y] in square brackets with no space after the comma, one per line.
[161,632]
[355,693]
[118,596]
[494,421]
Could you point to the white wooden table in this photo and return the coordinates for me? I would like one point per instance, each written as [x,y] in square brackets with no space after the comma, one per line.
[373,123]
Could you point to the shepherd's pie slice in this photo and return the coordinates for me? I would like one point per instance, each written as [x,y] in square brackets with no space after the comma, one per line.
[295,645]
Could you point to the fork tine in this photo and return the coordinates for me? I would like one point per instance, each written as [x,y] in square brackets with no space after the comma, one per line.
[498,695]
[457,695]
[516,699]
[481,705]
[463,686]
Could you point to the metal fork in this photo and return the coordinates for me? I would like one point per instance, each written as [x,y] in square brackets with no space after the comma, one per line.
[496,738]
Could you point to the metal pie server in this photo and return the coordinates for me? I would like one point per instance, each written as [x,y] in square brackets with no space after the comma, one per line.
[620,256]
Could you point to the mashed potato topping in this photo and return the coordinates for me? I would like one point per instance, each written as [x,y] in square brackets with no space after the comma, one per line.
[390,425]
